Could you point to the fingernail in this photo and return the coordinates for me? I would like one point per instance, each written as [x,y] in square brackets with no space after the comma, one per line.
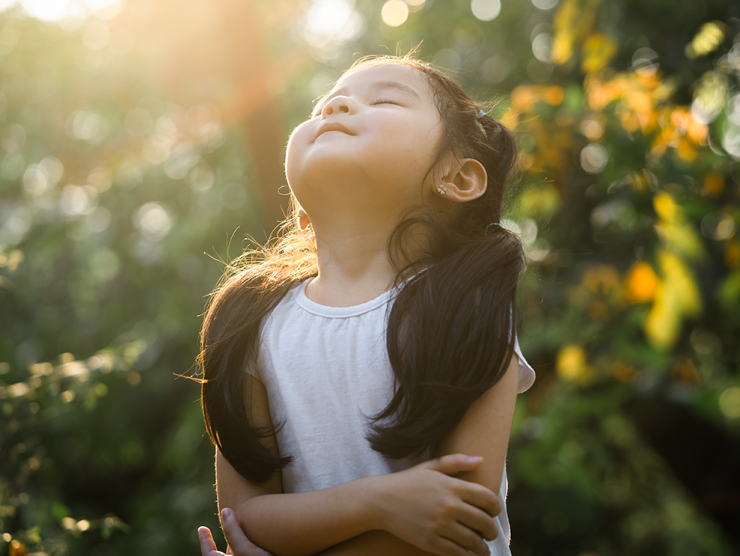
[226,513]
[474,459]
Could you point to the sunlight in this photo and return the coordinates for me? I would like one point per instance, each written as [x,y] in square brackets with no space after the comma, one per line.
[394,13]
[49,10]
[332,21]
[55,10]
[329,16]
[486,10]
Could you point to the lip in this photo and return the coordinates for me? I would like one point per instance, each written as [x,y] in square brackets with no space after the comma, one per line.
[332,126]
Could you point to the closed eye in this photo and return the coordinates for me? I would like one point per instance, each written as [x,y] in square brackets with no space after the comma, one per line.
[317,111]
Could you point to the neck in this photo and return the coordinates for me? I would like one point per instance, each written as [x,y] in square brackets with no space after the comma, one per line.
[353,263]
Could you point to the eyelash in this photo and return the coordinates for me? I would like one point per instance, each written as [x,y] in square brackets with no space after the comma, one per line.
[379,101]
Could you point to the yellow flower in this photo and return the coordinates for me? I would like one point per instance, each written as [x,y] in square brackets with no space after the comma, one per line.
[675,298]
[709,37]
[571,364]
[681,238]
[663,322]
[686,150]
[666,207]
[672,227]
[642,283]
[598,52]
[573,22]
[524,97]
[678,278]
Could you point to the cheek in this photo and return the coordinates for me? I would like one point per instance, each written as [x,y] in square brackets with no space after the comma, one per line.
[296,144]
[419,138]
[413,154]
[297,137]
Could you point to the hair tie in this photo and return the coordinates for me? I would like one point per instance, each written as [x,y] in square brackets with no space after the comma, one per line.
[492,224]
[481,114]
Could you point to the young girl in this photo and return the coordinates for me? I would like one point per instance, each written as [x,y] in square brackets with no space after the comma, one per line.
[360,374]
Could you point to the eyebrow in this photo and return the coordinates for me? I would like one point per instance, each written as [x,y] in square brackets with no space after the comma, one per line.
[377,85]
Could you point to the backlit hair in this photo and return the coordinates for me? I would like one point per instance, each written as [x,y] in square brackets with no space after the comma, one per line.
[450,329]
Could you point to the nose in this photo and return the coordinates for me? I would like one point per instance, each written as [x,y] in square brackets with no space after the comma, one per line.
[337,105]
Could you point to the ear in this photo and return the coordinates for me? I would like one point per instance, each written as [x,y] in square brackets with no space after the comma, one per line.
[465,180]
[303,220]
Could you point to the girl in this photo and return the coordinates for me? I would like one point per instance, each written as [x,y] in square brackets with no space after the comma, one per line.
[360,374]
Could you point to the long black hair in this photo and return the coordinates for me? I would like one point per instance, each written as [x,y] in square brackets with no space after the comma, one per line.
[450,329]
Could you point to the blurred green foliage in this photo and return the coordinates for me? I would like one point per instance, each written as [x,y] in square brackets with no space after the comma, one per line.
[127,173]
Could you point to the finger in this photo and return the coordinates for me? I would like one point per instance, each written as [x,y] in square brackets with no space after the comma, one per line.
[478,521]
[467,539]
[207,545]
[238,542]
[445,547]
[479,496]
[453,464]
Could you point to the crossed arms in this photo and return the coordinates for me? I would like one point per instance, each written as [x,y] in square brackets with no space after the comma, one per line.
[445,506]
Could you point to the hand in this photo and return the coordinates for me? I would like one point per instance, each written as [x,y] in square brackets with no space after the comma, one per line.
[428,508]
[234,537]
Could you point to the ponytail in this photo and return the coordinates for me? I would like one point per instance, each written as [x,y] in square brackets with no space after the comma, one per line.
[450,339]
[451,331]
[229,348]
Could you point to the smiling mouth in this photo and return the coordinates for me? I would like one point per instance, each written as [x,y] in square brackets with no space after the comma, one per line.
[331,131]
[332,127]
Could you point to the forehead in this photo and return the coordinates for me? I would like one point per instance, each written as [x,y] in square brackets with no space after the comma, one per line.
[389,73]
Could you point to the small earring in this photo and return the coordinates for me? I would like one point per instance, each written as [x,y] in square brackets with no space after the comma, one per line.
[442,189]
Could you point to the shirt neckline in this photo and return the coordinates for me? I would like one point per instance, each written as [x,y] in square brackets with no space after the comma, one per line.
[340,312]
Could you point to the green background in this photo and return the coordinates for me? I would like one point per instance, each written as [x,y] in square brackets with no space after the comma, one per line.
[141,144]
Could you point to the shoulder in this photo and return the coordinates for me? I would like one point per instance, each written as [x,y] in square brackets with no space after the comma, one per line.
[287,304]
[526,372]
[274,322]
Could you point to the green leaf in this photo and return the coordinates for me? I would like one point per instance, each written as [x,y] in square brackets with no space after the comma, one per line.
[60,511]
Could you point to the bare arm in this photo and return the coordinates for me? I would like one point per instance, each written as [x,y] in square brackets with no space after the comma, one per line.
[298,523]
[483,431]
[424,505]
[295,524]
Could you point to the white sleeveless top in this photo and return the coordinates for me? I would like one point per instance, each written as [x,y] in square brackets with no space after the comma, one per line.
[326,370]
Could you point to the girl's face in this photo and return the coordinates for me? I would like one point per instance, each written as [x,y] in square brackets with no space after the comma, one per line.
[367,150]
